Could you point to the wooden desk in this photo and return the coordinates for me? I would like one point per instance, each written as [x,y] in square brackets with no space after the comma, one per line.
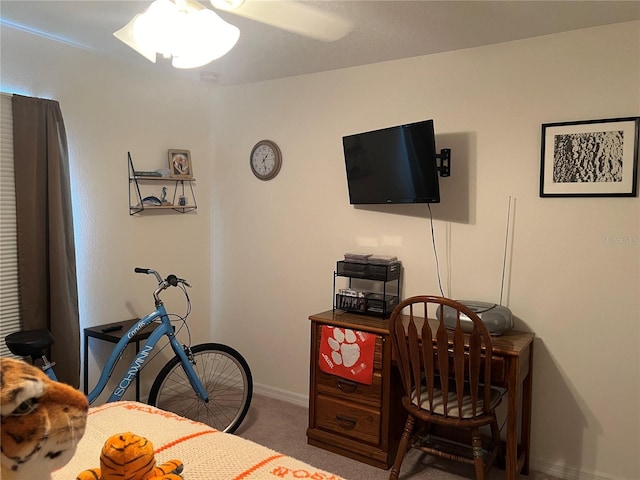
[512,360]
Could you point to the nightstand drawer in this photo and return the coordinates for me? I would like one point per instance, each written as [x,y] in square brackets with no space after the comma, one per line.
[350,390]
[347,419]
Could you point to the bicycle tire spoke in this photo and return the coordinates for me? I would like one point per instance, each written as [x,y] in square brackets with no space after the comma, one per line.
[226,380]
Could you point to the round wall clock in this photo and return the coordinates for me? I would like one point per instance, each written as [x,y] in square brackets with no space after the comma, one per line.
[265,160]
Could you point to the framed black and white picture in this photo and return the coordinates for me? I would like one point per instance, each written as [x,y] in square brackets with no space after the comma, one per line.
[590,158]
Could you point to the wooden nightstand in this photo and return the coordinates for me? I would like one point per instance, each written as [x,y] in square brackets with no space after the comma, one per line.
[363,422]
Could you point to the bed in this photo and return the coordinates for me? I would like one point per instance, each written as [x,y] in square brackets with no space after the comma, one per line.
[207,454]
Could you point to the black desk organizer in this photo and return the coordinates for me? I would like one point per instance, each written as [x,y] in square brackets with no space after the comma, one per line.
[363,300]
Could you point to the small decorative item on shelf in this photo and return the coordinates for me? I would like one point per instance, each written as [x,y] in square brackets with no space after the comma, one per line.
[151,201]
[180,164]
[141,173]
[164,197]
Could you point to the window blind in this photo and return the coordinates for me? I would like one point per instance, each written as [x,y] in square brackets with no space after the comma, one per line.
[9,293]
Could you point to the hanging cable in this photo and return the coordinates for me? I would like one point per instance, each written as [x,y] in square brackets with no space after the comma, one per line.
[504,258]
[435,251]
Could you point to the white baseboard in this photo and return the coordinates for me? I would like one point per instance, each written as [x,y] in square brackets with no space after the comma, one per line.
[567,472]
[279,394]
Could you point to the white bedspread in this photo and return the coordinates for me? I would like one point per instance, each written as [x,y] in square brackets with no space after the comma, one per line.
[207,454]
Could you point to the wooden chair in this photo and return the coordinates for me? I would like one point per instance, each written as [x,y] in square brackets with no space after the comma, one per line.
[446,381]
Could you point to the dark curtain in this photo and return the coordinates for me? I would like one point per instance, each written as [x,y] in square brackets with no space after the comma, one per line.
[46,252]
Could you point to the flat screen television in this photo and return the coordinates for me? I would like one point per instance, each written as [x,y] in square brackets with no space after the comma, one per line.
[393,165]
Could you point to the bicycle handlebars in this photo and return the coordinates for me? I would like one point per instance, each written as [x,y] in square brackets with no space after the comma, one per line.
[148,271]
[171,280]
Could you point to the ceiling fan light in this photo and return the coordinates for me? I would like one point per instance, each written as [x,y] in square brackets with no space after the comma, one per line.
[126,36]
[146,32]
[202,37]
[188,32]
[153,29]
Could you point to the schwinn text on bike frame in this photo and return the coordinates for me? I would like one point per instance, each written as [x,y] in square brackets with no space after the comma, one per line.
[130,376]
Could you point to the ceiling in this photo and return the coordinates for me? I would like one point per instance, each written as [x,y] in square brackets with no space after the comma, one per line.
[380,31]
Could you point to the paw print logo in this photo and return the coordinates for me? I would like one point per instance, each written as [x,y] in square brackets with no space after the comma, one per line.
[345,350]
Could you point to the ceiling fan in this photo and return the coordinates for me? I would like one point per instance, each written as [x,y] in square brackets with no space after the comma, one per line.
[291,15]
[193,35]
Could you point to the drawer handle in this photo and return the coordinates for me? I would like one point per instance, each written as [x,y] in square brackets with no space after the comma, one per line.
[346,422]
[347,386]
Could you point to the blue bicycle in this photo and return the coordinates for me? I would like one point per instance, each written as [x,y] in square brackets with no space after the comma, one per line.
[209,383]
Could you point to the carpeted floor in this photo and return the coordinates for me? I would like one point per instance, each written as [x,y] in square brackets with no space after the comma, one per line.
[282,426]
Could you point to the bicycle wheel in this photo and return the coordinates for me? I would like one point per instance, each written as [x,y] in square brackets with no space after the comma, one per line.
[226,377]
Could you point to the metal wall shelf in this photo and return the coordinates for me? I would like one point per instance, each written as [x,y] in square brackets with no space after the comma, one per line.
[179,191]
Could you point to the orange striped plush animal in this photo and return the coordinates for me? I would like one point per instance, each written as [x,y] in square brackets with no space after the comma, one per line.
[127,456]
[42,422]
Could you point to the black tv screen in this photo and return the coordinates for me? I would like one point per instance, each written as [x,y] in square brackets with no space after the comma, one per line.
[392,165]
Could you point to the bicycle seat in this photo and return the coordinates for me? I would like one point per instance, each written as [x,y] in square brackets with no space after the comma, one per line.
[29,343]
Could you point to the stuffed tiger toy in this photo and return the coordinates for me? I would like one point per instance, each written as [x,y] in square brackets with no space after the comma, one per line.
[126,456]
[41,422]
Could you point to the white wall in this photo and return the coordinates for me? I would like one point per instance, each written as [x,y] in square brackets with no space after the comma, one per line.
[275,244]
[261,254]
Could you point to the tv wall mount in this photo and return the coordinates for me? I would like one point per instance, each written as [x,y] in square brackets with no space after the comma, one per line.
[445,162]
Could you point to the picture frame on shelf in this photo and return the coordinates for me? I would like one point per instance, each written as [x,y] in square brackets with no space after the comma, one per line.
[180,164]
[590,158]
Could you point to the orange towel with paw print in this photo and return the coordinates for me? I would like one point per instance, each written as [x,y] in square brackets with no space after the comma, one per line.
[347,353]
